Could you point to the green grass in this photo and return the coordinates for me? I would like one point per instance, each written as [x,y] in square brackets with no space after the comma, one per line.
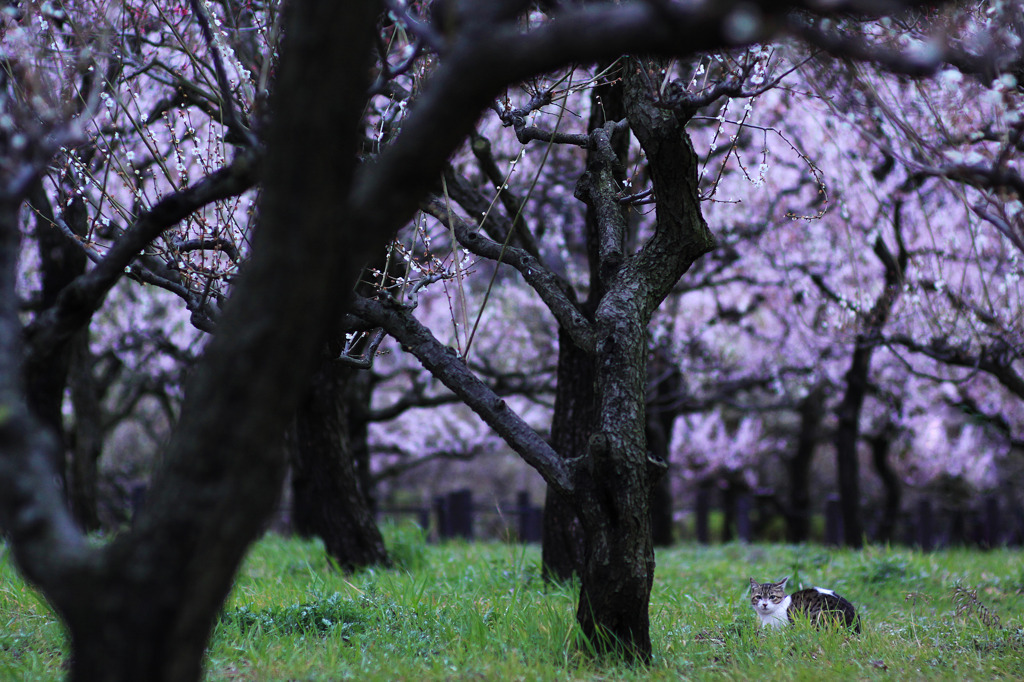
[481,612]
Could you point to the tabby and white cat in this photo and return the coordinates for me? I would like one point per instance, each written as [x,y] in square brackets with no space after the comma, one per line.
[775,609]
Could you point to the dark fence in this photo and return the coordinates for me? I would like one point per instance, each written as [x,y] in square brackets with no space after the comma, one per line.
[928,524]
[744,516]
[456,515]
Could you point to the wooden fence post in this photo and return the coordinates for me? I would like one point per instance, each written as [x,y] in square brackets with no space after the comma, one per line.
[991,526]
[743,516]
[441,512]
[703,512]
[531,523]
[925,528]
[460,513]
[833,521]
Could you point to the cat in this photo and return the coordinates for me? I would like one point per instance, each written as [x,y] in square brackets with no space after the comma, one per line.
[775,609]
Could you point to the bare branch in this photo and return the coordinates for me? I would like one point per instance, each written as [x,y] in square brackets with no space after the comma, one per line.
[992,359]
[85,294]
[548,286]
[388,193]
[442,362]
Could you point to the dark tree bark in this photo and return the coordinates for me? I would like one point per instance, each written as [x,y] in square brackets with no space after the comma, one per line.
[856,378]
[329,500]
[60,263]
[575,414]
[142,607]
[613,491]
[358,394]
[87,444]
[563,544]
[846,439]
[812,413]
[666,387]
[880,445]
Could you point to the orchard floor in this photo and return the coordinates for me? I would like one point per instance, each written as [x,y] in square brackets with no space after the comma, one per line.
[481,612]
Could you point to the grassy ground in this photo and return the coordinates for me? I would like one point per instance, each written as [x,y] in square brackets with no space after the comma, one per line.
[481,612]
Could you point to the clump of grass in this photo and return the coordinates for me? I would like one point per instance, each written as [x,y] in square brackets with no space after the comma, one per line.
[406,543]
[317,616]
[882,568]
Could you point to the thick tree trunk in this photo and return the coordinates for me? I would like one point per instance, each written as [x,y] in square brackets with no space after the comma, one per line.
[359,392]
[142,606]
[665,388]
[143,621]
[574,418]
[618,575]
[613,496]
[328,498]
[563,545]
[890,482]
[571,425]
[613,491]
[812,413]
[87,442]
[60,262]
[847,437]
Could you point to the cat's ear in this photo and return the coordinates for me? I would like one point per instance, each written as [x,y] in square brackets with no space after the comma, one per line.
[782,583]
[753,584]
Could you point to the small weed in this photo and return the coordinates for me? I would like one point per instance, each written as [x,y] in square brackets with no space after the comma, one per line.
[966,602]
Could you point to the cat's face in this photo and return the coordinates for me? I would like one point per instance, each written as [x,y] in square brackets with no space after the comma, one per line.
[766,598]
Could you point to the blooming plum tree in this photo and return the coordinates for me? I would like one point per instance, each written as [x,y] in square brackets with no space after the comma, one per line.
[341,170]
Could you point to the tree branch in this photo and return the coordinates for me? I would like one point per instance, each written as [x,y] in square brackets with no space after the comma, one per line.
[388,192]
[992,360]
[79,300]
[443,363]
[548,286]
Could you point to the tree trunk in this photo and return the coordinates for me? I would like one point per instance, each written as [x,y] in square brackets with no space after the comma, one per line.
[574,418]
[848,428]
[142,606]
[847,436]
[665,389]
[359,392]
[615,587]
[87,442]
[613,490]
[328,498]
[890,482]
[142,622]
[60,262]
[562,547]
[812,413]
[613,497]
